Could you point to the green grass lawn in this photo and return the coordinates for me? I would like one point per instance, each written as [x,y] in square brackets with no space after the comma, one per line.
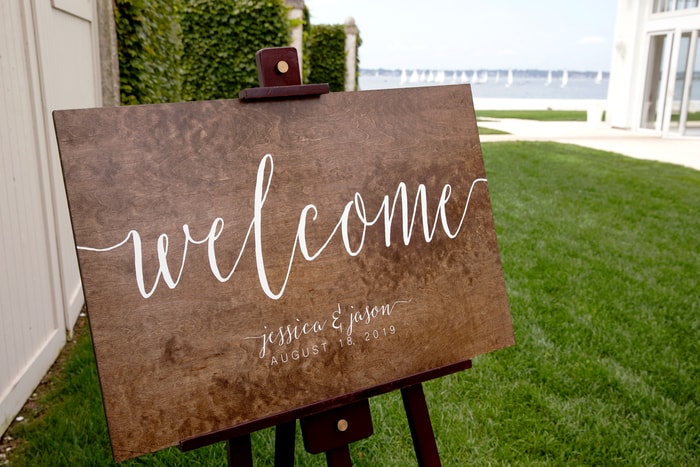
[541,115]
[601,255]
[692,117]
[491,131]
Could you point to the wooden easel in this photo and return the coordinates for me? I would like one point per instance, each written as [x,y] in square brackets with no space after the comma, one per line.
[329,426]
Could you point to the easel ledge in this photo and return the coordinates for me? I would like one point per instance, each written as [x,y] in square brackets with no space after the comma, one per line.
[247,428]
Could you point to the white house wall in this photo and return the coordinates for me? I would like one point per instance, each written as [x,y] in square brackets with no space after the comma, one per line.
[626,81]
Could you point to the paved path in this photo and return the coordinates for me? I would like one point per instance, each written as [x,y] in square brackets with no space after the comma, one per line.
[681,151]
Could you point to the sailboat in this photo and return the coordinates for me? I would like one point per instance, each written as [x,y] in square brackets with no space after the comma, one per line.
[564,78]
[404,78]
[509,82]
[549,79]
[475,77]
[463,77]
[599,78]
[414,77]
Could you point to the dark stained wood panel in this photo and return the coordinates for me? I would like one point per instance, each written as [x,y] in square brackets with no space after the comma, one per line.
[243,260]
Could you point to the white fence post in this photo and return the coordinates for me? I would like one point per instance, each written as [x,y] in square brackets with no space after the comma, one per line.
[296,14]
[350,54]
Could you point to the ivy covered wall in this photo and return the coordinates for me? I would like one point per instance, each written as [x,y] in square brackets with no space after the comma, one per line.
[326,54]
[149,50]
[175,50]
[220,39]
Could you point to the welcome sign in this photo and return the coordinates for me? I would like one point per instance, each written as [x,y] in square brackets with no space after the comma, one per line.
[243,260]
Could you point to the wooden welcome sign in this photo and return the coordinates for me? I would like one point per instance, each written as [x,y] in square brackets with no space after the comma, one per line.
[246,260]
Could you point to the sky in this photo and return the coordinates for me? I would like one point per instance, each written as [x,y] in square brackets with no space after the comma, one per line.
[477,34]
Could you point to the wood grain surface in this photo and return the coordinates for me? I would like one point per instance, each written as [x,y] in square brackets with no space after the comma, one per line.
[241,260]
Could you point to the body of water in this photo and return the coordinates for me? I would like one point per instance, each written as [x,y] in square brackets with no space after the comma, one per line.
[498,84]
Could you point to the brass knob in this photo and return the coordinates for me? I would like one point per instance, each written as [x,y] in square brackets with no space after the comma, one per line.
[282,66]
[342,425]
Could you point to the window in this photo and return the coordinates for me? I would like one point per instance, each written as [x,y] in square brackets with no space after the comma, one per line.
[662,6]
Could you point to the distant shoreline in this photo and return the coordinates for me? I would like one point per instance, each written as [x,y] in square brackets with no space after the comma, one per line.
[496,90]
[527,103]
[532,72]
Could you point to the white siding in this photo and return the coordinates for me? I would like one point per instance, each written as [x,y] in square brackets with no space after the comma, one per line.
[30,301]
[48,60]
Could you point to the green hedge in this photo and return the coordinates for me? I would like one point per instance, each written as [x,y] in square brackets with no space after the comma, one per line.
[148,35]
[220,38]
[326,55]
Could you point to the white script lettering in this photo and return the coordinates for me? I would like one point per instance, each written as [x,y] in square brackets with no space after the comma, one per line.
[364,315]
[354,208]
[287,334]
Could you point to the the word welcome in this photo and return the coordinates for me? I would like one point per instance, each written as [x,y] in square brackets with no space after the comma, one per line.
[354,208]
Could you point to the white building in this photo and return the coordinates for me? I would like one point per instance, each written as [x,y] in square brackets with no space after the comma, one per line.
[655,71]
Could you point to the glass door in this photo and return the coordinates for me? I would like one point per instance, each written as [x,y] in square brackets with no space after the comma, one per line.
[671,102]
[656,80]
[686,121]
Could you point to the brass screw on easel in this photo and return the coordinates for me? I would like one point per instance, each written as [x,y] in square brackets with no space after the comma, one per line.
[282,66]
[342,425]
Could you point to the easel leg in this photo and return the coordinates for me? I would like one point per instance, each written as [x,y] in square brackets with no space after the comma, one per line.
[421,428]
[239,452]
[339,457]
[284,444]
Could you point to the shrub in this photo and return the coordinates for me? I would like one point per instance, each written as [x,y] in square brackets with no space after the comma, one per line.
[326,54]
[148,35]
[220,39]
